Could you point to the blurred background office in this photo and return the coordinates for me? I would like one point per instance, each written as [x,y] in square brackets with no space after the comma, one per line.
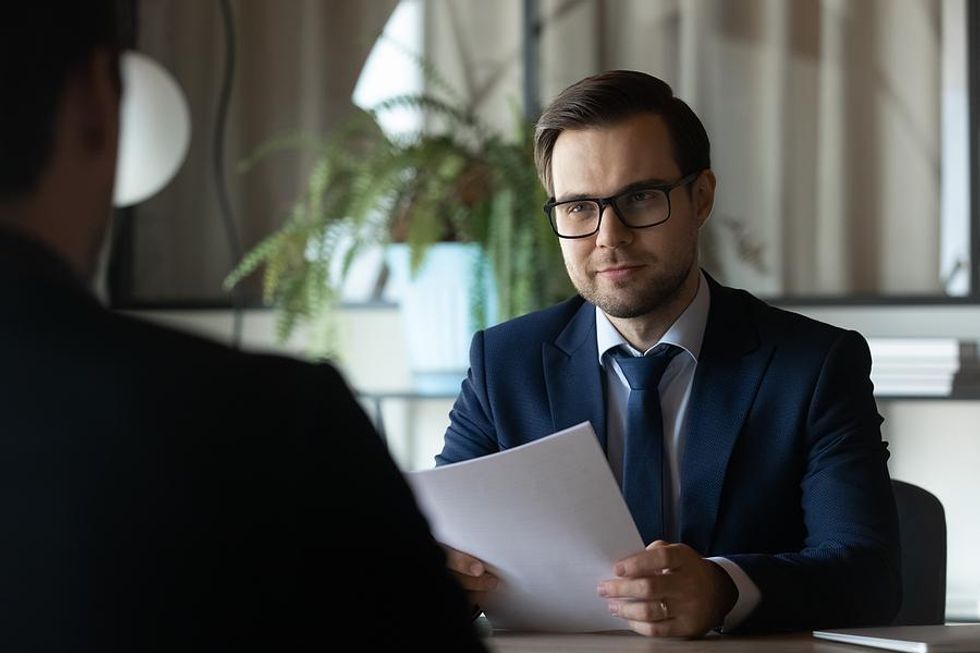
[844,140]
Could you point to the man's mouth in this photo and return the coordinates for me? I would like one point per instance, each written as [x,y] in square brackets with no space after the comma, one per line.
[618,271]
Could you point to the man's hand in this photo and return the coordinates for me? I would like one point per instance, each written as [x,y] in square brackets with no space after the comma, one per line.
[669,590]
[472,574]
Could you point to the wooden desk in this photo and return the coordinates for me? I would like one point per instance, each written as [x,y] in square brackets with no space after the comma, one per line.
[505,642]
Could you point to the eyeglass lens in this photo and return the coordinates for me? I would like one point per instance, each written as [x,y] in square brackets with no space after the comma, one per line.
[641,208]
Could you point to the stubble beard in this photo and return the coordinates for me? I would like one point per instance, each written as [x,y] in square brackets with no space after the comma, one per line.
[632,301]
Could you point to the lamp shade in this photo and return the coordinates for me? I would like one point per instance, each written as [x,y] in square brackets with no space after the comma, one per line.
[155,129]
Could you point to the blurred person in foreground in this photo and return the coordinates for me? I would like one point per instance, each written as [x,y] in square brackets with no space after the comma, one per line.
[157,491]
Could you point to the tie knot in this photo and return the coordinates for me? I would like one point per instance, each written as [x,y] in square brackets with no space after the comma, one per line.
[645,372]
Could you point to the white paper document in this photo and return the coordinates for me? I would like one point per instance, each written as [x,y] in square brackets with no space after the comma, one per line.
[549,521]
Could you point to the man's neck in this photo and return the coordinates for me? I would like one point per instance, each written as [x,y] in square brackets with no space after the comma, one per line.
[67,239]
[644,331]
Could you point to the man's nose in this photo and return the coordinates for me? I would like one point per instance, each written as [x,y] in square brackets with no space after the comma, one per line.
[612,232]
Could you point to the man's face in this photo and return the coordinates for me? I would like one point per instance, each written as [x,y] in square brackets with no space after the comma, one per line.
[629,272]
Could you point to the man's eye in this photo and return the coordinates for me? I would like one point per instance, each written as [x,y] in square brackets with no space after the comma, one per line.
[641,196]
[578,208]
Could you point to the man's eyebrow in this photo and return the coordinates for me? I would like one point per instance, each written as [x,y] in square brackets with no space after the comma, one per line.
[571,197]
[635,185]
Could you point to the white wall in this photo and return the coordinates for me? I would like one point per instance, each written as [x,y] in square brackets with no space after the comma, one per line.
[373,359]
[934,444]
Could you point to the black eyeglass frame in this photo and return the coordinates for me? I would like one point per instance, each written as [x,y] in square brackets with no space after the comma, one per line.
[603,202]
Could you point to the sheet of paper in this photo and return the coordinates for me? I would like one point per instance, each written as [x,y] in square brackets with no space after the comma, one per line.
[549,521]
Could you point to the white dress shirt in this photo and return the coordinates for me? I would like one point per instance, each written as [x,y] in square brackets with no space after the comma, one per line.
[686,332]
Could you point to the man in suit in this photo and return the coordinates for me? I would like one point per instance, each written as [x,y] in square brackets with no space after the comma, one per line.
[160,492]
[750,454]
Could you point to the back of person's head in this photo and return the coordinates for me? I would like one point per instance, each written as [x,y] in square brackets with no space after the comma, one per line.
[613,96]
[41,43]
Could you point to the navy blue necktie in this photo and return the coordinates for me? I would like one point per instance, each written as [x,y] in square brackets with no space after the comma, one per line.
[643,455]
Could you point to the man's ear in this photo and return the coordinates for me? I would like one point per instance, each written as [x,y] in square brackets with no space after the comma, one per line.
[94,96]
[704,196]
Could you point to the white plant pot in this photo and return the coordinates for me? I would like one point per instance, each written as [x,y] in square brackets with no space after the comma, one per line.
[436,306]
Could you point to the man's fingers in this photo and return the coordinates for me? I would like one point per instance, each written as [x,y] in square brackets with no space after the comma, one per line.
[464,563]
[657,558]
[666,628]
[651,611]
[644,587]
[482,583]
[470,572]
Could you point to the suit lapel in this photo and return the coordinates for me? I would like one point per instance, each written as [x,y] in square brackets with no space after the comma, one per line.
[572,375]
[728,374]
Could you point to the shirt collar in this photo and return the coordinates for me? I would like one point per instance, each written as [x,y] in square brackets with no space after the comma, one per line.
[687,331]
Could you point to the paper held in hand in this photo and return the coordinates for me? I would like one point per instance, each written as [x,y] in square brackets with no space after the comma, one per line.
[549,521]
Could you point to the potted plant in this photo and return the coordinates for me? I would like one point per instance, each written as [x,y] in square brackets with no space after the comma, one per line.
[456,180]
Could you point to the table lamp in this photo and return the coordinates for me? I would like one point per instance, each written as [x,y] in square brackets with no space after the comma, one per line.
[155,129]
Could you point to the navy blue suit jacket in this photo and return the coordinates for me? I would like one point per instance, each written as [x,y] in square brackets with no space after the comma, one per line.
[784,469]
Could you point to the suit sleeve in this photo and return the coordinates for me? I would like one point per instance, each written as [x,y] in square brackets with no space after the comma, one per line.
[848,573]
[471,432]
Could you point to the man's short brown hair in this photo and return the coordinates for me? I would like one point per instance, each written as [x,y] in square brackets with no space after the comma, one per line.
[42,44]
[613,96]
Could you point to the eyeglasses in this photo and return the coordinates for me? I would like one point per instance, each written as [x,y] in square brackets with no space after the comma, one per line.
[636,208]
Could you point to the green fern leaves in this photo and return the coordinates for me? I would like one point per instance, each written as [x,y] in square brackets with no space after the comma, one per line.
[461,182]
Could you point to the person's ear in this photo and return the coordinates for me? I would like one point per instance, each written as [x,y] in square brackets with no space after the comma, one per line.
[704,196]
[95,93]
